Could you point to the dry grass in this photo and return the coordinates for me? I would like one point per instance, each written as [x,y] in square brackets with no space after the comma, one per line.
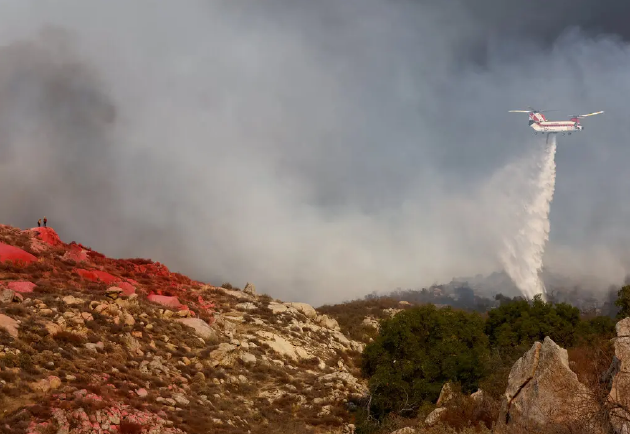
[464,412]
[69,338]
[589,362]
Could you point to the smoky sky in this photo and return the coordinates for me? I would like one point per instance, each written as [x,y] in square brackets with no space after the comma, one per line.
[319,149]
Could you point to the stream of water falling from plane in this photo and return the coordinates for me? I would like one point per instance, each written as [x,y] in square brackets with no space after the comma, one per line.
[522,255]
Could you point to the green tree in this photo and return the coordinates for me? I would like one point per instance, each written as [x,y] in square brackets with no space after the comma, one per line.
[623,302]
[520,323]
[594,329]
[420,349]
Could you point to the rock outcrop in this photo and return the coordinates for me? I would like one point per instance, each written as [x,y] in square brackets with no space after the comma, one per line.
[543,391]
[619,397]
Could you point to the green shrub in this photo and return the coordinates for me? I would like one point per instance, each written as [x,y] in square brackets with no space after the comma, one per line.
[419,350]
[521,323]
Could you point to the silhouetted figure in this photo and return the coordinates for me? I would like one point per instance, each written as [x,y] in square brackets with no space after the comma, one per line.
[45,221]
[39,223]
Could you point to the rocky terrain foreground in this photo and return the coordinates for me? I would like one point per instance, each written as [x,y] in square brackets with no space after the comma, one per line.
[90,344]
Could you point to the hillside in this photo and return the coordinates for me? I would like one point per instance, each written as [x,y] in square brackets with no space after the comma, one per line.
[94,344]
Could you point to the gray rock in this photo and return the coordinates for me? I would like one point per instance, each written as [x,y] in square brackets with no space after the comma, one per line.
[544,392]
[248,358]
[10,325]
[10,296]
[304,308]
[249,289]
[201,328]
[180,399]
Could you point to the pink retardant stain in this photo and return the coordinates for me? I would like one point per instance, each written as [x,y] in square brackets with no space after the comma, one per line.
[127,288]
[48,235]
[15,254]
[95,275]
[165,300]
[76,253]
[23,287]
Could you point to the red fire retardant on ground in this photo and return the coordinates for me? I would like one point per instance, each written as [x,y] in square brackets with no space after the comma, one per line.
[76,253]
[164,287]
[205,305]
[165,300]
[154,269]
[48,235]
[15,254]
[127,288]
[95,275]
[22,286]
[169,301]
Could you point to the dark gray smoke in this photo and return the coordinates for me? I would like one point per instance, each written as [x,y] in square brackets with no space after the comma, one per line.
[319,149]
[59,149]
[55,130]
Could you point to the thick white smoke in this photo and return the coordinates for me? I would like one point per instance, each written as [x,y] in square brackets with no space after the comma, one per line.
[524,245]
[321,150]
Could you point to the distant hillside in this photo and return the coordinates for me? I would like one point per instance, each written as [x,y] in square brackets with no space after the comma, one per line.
[481,293]
[358,318]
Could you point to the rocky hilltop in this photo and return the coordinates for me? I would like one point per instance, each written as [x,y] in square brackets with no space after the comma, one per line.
[90,344]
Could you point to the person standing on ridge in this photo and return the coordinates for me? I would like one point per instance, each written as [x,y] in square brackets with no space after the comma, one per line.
[45,221]
[39,223]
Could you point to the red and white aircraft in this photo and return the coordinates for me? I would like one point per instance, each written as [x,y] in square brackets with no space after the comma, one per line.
[540,124]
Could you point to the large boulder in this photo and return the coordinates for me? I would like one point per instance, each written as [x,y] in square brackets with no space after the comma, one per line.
[201,327]
[303,308]
[544,392]
[96,275]
[10,325]
[22,286]
[327,322]
[284,347]
[165,300]
[10,296]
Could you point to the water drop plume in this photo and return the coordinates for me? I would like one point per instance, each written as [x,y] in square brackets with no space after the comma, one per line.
[523,246]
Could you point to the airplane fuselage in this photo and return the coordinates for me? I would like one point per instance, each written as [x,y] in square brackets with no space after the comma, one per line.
[556,127]
[541,125]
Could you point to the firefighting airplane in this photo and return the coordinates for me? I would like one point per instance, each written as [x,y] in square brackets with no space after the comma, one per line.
[540,124]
